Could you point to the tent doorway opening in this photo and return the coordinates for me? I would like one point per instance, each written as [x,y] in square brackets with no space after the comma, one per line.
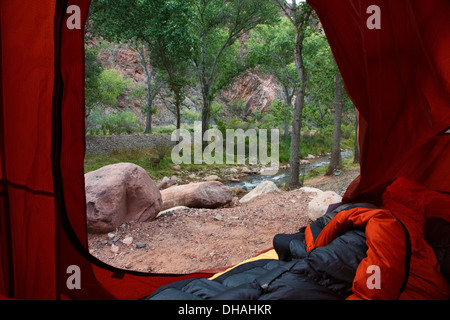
[129,94]
[132,111]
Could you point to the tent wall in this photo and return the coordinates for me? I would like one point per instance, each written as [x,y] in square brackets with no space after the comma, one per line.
[42,147]
[27,213]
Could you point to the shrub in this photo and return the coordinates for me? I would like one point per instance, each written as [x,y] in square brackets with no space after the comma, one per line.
[164,129]
[191,115]
[111,85]
[112,123]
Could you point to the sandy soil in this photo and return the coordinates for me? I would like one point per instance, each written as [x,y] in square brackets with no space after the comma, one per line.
[197,239]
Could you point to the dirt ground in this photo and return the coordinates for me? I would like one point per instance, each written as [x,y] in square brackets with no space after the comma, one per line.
[190,240]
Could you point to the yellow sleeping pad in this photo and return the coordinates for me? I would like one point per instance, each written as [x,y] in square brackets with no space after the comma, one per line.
[271,254]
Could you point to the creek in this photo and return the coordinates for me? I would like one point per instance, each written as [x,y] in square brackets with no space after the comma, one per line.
[282,177]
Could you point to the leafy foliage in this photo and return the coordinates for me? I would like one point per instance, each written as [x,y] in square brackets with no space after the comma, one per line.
[270,49]
[118,123]
[159,32]
[218,25]
[207,44]
[276,116]
[92,72]
[111,84]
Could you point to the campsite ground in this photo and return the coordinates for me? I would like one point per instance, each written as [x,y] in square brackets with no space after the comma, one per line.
[196,239]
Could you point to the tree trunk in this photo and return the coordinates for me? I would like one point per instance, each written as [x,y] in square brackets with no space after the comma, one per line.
[287,101]
[294,181]
[356,153]
[286,125]
[150,95]
[148,120]
[206,110]
[295,139]
[320,111]
[205,120]
[336,159]
[178,109]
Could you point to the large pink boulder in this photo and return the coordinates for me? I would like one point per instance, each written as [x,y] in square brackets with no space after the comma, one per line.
[210,195]
[120,193]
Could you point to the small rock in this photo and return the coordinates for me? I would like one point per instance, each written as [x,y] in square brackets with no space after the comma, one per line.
[249,170]
[111,235]
[140,245]
[310,190]
[166,182]
[128,240]
[318,206]
[212,177]
[269,171]
[114,248]
[218,217]
[171,211]
[263,188]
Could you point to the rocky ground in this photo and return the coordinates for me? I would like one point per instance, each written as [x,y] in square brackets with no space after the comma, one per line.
[189,240]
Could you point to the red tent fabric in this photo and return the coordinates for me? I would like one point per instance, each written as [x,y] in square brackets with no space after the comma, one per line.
[42,147]
[397,76]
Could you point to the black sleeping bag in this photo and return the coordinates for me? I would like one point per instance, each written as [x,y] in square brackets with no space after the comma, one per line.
[323,273]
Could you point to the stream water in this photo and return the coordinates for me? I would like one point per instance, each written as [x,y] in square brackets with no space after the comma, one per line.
[251,181]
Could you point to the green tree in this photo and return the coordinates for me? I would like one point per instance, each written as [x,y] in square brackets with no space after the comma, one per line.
[93,69]
[280,114]
[157,30]
[173,47]
[326,93]
[301,15]
[218,26]
[271,50]
[336,159]
[319,62]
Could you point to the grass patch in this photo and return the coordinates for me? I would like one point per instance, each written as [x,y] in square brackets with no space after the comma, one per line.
[143,158]
[140,157]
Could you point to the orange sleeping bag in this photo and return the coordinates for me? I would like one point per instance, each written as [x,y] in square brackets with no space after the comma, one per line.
[400,264]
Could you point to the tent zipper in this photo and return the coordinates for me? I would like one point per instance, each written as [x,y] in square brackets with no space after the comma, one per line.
[58,90]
